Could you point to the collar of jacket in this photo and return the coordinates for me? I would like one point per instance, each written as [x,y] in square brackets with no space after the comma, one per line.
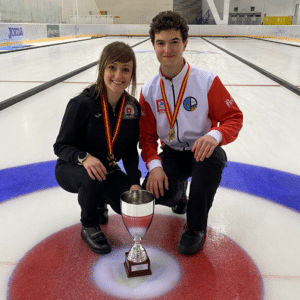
[177,79]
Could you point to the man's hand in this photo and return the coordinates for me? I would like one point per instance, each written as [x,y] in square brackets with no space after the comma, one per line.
[157,181]
[204,147]
[95,168]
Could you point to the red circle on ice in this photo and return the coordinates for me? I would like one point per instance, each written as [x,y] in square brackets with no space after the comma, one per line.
[60,267]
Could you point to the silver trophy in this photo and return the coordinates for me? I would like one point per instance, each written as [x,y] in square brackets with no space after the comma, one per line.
[137,212]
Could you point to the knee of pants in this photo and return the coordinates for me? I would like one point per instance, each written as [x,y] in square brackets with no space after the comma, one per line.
[217,161]
[71,178]
[91,184]
[66,182]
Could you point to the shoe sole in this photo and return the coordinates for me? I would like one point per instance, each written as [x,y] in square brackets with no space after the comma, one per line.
[93,249]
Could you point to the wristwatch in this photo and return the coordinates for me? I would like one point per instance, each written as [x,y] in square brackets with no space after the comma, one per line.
[82,156]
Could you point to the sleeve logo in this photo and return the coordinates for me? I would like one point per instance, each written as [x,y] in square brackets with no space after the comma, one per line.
[229,102]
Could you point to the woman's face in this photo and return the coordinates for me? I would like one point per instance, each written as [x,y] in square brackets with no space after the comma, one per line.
[117,77]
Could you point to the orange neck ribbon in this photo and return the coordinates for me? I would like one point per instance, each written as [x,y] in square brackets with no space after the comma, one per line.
[173,118]
[109,139]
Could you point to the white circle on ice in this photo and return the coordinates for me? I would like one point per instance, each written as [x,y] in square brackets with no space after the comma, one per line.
[110,276]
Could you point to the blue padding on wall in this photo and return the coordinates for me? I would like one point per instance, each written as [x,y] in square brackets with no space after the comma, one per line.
[13,47]
[280,187]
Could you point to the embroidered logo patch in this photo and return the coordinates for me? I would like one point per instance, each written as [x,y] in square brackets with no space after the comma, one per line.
[190,103]
[129,111]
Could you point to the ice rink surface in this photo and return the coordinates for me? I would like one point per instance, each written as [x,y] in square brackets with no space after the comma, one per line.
[258,203]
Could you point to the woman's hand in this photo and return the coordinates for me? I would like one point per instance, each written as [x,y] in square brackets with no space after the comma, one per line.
[135,187]
[95,168]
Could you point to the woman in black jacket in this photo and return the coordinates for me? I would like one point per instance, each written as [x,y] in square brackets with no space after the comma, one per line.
[100,127]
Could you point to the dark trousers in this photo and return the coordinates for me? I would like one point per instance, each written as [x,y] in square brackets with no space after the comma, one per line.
[92,193]
[205,179]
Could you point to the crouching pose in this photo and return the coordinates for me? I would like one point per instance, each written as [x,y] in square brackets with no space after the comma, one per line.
[101,126]
[192,114]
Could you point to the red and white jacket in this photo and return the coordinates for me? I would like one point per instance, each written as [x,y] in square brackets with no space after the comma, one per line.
[206,108]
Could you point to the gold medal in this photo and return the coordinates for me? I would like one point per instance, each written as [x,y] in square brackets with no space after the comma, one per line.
[171,134]
[111,160]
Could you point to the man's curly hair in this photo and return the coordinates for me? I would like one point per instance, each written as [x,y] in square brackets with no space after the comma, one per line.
[166,20]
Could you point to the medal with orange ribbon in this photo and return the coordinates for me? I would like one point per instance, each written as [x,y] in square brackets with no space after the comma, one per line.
[109,139]
[172,118]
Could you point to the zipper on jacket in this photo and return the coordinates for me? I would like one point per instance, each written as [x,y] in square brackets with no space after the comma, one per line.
[174,100]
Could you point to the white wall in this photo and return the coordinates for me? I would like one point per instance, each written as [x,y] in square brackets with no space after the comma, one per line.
[59,11]
[72,7]
[279,8]
[91,19]
[296,14]
[269,7]
[36,11]
[134,11]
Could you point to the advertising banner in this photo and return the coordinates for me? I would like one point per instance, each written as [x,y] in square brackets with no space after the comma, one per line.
[15,33]
[53,31]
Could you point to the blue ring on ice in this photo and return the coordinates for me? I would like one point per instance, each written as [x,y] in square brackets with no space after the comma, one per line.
[277,186]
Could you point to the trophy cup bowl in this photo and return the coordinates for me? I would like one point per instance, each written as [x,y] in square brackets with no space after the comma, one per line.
[137,209]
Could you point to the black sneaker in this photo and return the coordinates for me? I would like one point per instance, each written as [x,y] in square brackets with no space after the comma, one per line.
[191,241]
[103,214]
[95,239]
[181,206]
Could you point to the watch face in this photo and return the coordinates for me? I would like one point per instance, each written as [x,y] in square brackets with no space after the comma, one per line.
[82,155]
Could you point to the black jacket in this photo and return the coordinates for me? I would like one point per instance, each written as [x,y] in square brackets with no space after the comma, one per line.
[82,130]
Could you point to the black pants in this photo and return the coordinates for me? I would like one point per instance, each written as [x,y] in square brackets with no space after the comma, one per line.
[92,193]
[206,177]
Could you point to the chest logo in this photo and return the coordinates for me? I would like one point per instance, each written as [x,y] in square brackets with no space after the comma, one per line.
[160,106]
[190,104]
[129,111]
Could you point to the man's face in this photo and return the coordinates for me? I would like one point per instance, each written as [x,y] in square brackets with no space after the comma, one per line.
[168,46]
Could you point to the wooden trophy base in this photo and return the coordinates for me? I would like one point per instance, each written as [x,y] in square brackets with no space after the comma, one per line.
[137,269]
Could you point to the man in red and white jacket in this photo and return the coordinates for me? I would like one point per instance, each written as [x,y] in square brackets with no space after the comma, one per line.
[190,111]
